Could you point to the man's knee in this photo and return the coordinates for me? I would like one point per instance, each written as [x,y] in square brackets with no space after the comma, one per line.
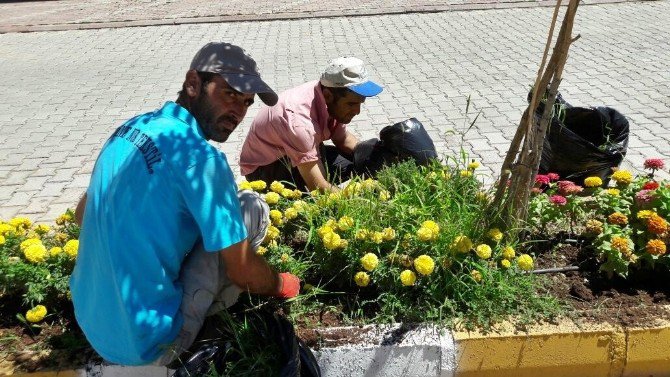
[256,216]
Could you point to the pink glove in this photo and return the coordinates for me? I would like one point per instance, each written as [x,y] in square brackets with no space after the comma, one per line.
[290,285]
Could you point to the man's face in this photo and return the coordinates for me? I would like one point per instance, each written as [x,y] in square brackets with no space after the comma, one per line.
[345,108]
[219,109]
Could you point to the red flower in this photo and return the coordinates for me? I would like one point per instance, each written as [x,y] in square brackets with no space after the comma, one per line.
[558,200]
[553,177]
[541,179]
[654,163]
[651,185]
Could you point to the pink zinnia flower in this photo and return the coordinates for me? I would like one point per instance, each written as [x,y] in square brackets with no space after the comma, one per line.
[644,197]
[654,163]
[562,184]
[553,177]
[541,179]
[536,191]
[651,185]
[569,188]
[558,200]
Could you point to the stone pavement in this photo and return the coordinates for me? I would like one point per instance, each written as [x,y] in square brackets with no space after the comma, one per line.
[66,91]
[19,16]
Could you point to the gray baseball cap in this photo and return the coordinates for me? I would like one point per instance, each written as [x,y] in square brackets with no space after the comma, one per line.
[236,67]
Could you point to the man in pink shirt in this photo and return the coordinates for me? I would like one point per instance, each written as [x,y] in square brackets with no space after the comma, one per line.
[285,142]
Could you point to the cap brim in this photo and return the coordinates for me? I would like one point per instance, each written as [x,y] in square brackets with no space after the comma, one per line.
[366,89]
[252,84]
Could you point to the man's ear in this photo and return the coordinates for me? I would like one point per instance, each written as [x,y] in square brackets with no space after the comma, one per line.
[328,95]
[192,84]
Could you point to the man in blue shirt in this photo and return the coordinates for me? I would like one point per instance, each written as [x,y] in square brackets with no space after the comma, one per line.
[165,238]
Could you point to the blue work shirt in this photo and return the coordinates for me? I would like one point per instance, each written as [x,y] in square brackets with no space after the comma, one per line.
[157,187]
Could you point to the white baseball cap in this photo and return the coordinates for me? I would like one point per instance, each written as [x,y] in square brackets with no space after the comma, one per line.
[349,72]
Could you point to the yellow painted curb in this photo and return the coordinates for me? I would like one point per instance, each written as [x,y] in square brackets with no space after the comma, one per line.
[648,351]
[546,351]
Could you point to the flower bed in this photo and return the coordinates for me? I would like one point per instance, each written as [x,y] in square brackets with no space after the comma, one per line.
[415,245]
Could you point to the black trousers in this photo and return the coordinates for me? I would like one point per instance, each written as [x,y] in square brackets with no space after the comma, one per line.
[339,168]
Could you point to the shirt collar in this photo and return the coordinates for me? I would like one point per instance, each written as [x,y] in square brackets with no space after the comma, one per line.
[174,110]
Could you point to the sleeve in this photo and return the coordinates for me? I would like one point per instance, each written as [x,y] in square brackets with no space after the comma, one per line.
[299,140]
[210,194]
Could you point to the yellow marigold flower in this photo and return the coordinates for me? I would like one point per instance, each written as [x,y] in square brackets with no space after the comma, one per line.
[35,253]
[324,229]
[369,184]
[64,218]
[645,214]
[462,244]
[284,258]
[20,223]
[593,182]
[334,197]
[376,237]
[361,234]
[525,262]
[476,275]
[71,248]
[272,233]
[617,218]
[466,173]
[299,205]
[473,165]
[384,195]
[276,187]
[495,234]
[613,192]
[258,185]
[432,176]
[388,234]
[656,224]
[42,229]
[55,251]
[243,185]
[287,193]
[505,263]
[331,240]
[508,252]
[30,241]
[622,177]
[408,278]
[362,279]
[406,260]
[445,175]
[2,240]
[272,198]
[620,244]
[6,228]
[432,225]
[261,250]
[276,216]
[424,234]
[483,251]
[655,247]
[345,223]
[352,189]
[424,265]
[343,243]
[369,261]
[36,314]
[290,213]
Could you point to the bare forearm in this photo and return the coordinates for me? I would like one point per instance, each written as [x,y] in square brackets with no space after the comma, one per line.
[250,271]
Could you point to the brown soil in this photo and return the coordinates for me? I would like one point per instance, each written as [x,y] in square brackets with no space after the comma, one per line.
[590,296]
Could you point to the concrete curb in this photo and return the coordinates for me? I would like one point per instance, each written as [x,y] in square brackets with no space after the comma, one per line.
[563,349]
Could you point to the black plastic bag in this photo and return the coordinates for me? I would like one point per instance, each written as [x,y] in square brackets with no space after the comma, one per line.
[583,142]
[296,358]
[409,140]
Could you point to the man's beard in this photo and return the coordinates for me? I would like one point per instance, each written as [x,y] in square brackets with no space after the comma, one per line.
[203,111]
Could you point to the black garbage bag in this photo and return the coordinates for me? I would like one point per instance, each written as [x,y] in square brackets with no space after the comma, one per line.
[409,140]
[403,141]
[583,142]
[296,359]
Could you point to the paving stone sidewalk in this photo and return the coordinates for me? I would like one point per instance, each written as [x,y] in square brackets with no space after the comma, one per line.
[20,16]
[66,91]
